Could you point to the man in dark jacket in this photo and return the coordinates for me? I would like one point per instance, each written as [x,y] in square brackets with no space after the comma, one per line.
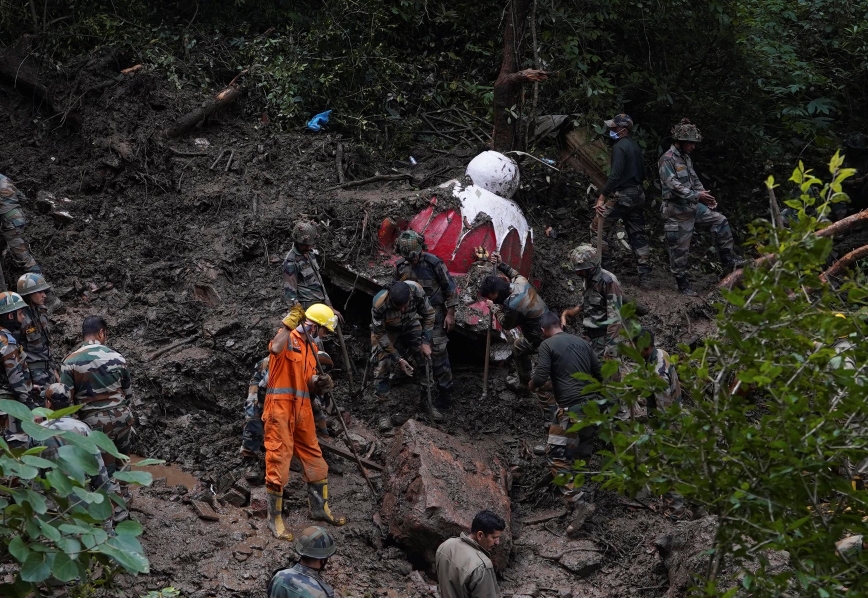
[623,197]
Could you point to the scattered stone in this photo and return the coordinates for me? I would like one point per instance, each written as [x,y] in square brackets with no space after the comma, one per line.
[434,486]
[233,497]
[582,562]
[581,512]
[204,511]
[544,516]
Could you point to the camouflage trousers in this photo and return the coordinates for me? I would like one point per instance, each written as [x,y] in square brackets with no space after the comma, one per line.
[408,343]
[629,207]
[117,424]
[564,448]
[680,222]
[524,348]
[439,352]
[43,373]
[12,226]
[603,350]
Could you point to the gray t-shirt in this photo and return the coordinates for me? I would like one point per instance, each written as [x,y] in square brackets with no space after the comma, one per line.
[559,358]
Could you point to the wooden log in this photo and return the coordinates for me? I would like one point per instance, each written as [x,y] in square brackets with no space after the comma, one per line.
[190,120]
[843,263]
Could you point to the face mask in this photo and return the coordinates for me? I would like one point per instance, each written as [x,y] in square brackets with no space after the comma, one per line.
[613,135]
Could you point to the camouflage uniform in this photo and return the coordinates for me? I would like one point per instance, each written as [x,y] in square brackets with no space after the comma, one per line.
[431,273]
[34,336]
[601,303]
[664,368]
[16,384]
[391,328]
[682,211]
[98,379]
[12,224]
[299,581]
[70,424]
[522,308]
[251,436]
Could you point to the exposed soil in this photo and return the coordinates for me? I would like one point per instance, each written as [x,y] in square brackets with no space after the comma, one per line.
[169,250]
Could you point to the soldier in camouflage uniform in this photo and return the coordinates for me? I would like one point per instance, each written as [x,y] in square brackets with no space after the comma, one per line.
[35,332]
[304,580]
[401,319]
[601,302]
[430,272]
[660,361]
[687,204]
[516,304]
[12,224]
[99,380]
[302,285]
[15,382]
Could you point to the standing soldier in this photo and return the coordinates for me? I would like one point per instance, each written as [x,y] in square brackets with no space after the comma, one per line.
[515,303]
[302,285]
[601,302]
[288,417]
[687,204]
[304,580]
[401,318]
[251,435]
[12,224]
[35,332]
[98,379]
[430,272]
[15,382]
[623,197]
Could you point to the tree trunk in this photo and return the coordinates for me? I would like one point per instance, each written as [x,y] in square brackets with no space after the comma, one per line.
[507,87]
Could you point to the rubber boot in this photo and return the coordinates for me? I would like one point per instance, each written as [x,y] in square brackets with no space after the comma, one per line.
[684,286]
[318,501]
[275,516]
[435,413]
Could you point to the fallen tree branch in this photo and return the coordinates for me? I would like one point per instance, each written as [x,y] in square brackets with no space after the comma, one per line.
[373,179]
[844,263]
[228,95]
[169,347]
[837,228]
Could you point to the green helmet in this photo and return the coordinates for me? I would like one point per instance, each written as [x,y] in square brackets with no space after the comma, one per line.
[10,302]
[410,244]
[315,543]
[304,232]
[31,283]
[583,257]
[686,131]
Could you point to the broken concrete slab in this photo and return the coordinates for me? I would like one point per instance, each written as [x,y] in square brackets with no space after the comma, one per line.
[204,511]
[434,486]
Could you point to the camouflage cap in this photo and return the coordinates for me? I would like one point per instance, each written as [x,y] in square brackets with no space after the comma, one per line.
[304,232]
[31,283]
[315,543]
[59,395]
[10,302]
[583,257]
[686,131]
[619,120]
[410,244]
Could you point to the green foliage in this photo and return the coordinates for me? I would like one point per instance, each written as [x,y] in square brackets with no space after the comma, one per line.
[778,420]
[52,524]
[169,592]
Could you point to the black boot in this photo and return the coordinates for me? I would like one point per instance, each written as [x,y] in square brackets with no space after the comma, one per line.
[443,402]
[643,280]
[726,260]
[684,286]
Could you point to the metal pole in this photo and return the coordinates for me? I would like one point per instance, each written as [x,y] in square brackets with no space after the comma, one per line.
[344,354]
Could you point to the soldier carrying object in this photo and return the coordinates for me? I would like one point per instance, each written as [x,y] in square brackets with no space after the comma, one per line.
[304,580]
[515,303]
[601,302]
[99,380]
[12,223]
[623,197]
[35,332]
[401,319]
[302,285]
[687,204]
[288,416]
[430,272]
[15,382]
[560,356]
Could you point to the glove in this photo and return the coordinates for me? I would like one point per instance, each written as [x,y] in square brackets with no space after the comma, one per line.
[250,403]
[294,317]
[320,384]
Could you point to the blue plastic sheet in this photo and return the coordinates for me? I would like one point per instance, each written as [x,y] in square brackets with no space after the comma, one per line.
[316,123]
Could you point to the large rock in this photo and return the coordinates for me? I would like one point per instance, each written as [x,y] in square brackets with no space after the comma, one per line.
[435,485]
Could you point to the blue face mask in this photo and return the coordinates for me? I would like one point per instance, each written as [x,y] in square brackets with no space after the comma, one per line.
[613,135]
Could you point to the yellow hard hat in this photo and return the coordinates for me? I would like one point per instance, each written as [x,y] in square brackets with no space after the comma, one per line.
[322,315]
[840,315]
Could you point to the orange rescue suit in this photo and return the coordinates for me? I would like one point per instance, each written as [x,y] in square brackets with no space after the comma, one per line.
[288,417]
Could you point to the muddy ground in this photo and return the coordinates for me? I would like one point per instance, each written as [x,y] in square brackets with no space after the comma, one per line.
[184,262]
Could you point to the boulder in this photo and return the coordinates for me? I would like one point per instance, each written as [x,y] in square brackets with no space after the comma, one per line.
[434,486]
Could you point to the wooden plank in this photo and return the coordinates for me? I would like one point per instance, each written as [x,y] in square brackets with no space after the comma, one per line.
[346,454]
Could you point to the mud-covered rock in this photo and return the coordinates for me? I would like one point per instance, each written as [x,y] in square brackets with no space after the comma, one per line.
[435,485]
